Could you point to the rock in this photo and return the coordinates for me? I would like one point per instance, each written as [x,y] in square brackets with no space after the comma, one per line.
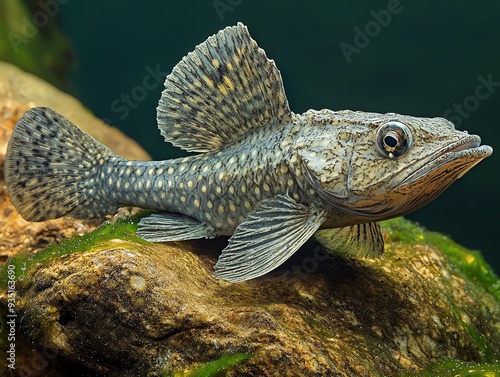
[118,306]
[20,91]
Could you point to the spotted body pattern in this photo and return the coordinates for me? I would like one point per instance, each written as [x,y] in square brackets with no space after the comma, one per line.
[219,188]
[267,177]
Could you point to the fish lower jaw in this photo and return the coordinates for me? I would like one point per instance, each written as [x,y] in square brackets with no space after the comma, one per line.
[471,151]
[467,149]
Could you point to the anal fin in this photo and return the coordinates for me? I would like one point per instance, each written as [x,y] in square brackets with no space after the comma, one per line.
[360,240]
[166,227]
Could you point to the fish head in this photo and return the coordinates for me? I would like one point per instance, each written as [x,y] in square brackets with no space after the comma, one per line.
[378,166]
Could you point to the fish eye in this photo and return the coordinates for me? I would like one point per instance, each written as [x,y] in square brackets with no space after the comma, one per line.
[393,139]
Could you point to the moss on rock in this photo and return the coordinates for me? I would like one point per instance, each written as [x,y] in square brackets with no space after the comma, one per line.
[469,262]
[107,297]
[106,236]
[212,368]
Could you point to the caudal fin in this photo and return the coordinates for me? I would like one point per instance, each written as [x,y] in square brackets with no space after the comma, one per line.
[52,168]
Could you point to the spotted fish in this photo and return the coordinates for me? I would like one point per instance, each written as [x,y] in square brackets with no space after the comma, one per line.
[265,176]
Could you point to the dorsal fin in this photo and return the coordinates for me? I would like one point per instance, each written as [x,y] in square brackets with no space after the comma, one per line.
[221,91]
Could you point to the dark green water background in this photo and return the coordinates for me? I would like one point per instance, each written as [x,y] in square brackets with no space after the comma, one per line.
[427,59]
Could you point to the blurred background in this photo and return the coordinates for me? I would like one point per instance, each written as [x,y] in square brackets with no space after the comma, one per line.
[420,58]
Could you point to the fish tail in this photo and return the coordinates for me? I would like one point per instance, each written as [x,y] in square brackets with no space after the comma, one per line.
[52,168]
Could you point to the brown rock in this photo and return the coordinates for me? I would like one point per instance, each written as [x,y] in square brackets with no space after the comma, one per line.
[131,309]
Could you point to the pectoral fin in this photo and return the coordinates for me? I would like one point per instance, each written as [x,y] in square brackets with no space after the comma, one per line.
[166,227]
[360,240]
[275,230]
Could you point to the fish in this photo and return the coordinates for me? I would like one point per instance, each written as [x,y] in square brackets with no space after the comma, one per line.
[261,174]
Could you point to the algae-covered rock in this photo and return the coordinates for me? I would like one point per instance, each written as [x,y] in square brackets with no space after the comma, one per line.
[116,306]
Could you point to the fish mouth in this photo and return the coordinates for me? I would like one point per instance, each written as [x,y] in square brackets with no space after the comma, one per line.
[453,161]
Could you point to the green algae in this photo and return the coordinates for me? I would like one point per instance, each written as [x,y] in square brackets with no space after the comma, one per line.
[474,269]
[121,232]
[457,368]
[214,368]
[487,351]
[469,262]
